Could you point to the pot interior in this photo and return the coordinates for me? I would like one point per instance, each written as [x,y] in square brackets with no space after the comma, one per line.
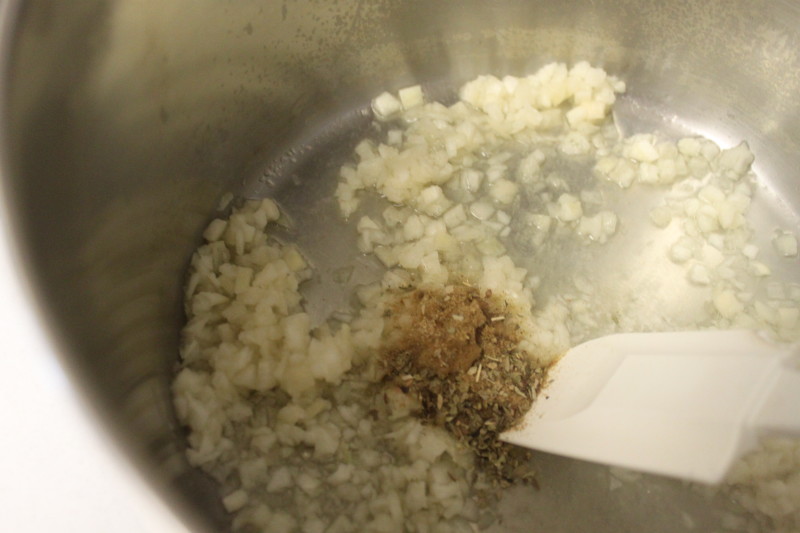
[126,122]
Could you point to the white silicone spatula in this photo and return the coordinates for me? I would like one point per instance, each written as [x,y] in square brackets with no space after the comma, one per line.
[684,405]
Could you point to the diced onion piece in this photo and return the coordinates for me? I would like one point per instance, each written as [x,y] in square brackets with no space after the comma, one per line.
[750,251]
[308,483]
[661,216]
[609,220]
[215,230]
[414,228]
[411,96]
[641,148]
[235,500]
[623,173]
[598,227]
[707,219]
[682,251]
[530,166]
[709,150]
[648,173]
[455,216]
[711,194]
[386,106]
[727,304]
[481,210]
[471,180]
[433,201]
[689,146]
[568,208]
[711,255]
[760,269]
[575,143]
[737,160]
[504,191]
[729,215]
[699,275]
[785,244]
[394,137]
[280,479]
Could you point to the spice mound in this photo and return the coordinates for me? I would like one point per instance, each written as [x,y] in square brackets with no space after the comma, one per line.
[455,352]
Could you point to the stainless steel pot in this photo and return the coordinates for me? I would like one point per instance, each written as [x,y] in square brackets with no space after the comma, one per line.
[125,121]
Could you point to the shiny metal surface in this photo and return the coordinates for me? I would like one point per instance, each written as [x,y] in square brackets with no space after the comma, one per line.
[125,121]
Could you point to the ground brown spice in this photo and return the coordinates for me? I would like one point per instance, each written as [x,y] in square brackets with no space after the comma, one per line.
[456,350]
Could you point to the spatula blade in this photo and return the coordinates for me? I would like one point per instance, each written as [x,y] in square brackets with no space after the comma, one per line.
[676,404]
